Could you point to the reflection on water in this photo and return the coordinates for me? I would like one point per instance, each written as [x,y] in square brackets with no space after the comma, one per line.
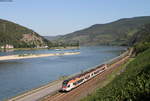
[17,76]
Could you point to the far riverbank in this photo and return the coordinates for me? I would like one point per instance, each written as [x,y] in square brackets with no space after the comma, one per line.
[25,56]
[14,49]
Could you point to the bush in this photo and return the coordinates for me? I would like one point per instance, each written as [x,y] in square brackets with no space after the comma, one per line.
[141,47]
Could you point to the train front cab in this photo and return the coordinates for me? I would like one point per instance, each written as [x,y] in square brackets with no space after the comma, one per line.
[66,86]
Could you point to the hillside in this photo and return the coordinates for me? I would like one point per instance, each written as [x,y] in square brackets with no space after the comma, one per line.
[51,38]
[143,35]
[133,84]
[19,36]
[141,39]
[115,33]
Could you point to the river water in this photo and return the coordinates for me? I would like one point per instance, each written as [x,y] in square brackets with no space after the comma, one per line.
[18,76]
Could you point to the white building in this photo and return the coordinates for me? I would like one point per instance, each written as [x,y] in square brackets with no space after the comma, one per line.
[8,46]
[41,46]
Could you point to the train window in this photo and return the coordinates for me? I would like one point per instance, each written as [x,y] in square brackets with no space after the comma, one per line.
[65,83]
[96,72]
[76,82]
[87,77]
[80,81]
[68,86]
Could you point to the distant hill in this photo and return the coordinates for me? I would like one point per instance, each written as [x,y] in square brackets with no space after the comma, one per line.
[19,36]
[115,33]
[51,38]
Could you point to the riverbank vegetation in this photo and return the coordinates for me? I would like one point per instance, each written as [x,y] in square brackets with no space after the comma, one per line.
[57,47]
[134,83]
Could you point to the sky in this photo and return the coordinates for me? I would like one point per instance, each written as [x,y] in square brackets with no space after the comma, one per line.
[59,17]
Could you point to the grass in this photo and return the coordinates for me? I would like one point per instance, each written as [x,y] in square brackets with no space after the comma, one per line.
[116,72]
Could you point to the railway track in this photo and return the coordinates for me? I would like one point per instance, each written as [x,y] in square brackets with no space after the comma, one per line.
[87,87]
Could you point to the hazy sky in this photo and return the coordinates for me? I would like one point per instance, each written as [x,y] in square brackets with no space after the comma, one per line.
[55,17]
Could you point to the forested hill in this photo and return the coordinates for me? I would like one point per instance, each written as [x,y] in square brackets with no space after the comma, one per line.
[115,33]
[141,40]
[143,35]
[19,36]
[133,83]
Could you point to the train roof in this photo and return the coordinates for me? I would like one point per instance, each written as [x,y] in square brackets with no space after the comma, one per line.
[82,74]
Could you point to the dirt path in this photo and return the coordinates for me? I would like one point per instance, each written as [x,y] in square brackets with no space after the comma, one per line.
[86,88]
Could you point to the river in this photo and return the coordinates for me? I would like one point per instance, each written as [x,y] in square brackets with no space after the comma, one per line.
[18,76]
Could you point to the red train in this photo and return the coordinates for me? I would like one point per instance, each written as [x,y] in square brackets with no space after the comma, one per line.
[75,81]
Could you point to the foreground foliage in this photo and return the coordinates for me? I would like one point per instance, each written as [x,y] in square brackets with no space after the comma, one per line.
[131,85]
